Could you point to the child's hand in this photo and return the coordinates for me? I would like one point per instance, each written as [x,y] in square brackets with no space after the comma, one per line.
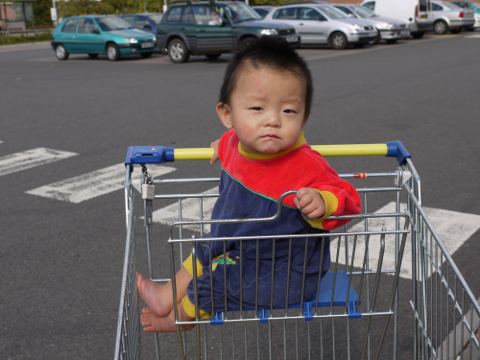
[214,146]
[310,203]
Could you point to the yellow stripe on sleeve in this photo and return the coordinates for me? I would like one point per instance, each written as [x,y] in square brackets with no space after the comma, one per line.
[331,205]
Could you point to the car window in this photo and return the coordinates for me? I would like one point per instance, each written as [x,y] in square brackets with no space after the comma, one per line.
[174,15]
[289,13]
[344,9]
[239,11]
[142,23]
[129,19]
[369,5]
[188,17]
[309,14]
[422,5]
[436,7]
[86,26]
[70,26]
[112,23]
[332,12]
[207,15]
[364,12]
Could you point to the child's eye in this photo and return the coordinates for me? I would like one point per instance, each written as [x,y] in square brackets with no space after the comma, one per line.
[290,111]
[255,108]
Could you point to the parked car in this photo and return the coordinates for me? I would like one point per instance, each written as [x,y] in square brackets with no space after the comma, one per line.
[388,29]
[319,23]
[448,17]
[100,35]
[472,6]
[206,28]
[262,10]
[413,12]
[145,22]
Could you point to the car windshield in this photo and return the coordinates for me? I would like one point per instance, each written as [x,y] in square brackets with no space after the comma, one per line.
[241,12]
[332,13]
[363,12]
[111,23]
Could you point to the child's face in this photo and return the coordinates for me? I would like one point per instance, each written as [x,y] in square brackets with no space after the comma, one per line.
[266,110]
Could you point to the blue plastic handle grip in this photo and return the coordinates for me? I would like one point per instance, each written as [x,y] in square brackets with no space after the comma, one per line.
[397,150]
[149,155]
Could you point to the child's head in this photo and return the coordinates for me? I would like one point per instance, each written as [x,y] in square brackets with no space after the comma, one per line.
[266,96]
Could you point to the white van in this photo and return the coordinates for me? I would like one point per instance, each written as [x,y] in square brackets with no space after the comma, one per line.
[413,12]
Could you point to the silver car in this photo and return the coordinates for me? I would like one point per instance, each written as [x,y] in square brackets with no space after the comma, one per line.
[450,17]
[319,24]
[389,29]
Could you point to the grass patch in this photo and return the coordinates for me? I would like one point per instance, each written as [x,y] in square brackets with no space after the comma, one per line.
[19,39]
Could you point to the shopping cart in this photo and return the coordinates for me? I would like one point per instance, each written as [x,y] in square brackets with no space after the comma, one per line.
[370,305]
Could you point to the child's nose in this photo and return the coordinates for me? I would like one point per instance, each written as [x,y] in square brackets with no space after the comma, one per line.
[273,119]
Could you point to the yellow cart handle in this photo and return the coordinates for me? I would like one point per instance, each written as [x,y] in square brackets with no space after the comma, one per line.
[161,154]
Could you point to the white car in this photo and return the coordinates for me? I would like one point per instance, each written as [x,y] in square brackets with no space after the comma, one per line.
[450,17]
[318,24]
[389,29]
[414,12]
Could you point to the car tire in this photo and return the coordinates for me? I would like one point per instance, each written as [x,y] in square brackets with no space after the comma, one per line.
[113,54]
[213,56]
[60,52]
[177,51]
[245,42]
[93,56]
[338,41]
[440,27]
[417,34]
[146,55]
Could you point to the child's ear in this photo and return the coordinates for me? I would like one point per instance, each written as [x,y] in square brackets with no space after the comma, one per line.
[224,114]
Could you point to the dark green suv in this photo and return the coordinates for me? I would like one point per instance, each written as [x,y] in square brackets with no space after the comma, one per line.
[213,28]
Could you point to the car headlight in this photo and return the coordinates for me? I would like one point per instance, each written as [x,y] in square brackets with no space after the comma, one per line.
[132,40]
[357,27]
[269,32]
[388,26]
[154,38]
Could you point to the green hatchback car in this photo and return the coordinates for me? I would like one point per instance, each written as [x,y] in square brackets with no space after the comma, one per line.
[101,35]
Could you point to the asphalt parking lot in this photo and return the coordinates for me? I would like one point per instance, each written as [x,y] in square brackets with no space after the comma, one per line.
[61,247]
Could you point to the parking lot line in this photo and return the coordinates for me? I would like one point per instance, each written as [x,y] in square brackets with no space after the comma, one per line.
[93,184]
[28,159]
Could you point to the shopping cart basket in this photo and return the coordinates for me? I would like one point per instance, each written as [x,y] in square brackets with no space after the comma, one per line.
[369,305]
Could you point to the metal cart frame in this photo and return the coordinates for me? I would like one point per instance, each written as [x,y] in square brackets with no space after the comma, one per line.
[355,314]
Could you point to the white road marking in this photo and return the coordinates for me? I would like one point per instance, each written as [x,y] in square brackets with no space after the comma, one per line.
[190,211]
[31,158]
[474,36]
[453,227]
[96,183]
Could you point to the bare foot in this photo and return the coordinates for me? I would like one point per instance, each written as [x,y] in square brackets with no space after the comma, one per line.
[153,323]
[158,297]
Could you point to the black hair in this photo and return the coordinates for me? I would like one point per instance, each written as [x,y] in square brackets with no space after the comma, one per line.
[272,51]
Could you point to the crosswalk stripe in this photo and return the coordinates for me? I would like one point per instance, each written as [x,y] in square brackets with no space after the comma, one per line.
[90,185]
[453,227]
[190,211]
[31,158]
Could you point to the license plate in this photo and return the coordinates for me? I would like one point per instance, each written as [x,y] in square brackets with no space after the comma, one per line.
[292,38]
[147,45]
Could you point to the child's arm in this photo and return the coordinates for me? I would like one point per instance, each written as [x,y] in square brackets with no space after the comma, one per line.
[310,203]
[214,146]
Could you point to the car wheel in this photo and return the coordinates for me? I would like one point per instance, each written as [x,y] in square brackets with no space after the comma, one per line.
[93,56]
[417,34]
[245,42]
[60,52]
[391,41]
[213,56]
[146,55]
[113,54]
[338,41]
[177,51]
[440,27]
